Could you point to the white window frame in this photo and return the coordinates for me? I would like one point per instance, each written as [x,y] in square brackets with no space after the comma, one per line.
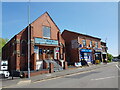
[43,32]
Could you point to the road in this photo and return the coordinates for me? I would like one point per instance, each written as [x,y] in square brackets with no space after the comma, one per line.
[105,77]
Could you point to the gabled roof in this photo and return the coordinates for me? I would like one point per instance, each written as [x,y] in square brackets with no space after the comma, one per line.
[81,34]
[38,18]
[49,17]
[33,22]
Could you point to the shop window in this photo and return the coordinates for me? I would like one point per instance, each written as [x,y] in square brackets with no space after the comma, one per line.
[48,51]
[97,56]
[36,48]
[44,50]
[84,42]
[51,51]
[46,32]
[40,51]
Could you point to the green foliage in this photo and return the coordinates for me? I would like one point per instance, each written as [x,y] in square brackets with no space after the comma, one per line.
[2,43]
[110,57]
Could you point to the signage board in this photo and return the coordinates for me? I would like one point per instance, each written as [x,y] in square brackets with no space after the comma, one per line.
[45,41]
[98,50]
[85,50]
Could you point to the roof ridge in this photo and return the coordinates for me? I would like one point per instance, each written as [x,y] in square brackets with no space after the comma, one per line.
[82,34]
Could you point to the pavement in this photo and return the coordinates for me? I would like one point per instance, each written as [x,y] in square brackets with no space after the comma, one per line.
[9,82]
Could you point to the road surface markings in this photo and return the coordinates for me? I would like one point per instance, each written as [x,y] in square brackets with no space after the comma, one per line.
[48,75]
[63,76]
[117,67]
[67,75]
[58,76]
[24,82]
[104,78]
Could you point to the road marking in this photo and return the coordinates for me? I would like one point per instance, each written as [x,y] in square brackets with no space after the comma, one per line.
[48,75]
[104,78]
[60,76]
[68,75]
[24,82]
[63,76]
[117,67]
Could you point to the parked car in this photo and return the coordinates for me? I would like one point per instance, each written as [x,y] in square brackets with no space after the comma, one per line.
[115,59]
[17,74]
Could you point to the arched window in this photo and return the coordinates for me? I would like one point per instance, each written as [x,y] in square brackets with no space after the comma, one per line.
[23,47]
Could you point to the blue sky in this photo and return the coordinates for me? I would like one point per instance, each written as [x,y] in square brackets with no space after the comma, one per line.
[99,19]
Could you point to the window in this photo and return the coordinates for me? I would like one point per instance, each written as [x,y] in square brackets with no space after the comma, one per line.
[36,49]
[96,44]
[46,32]
[84,42]
[40,51]
[90,43]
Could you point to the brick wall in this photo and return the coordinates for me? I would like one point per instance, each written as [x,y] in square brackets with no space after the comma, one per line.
[19,61]
[72,54]
[9,53]
[37,73]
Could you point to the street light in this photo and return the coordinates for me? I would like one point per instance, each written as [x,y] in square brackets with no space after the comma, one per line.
[29,39]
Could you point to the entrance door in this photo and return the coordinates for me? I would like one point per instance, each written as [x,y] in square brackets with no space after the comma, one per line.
[49,54]
[41,54]
[56,53]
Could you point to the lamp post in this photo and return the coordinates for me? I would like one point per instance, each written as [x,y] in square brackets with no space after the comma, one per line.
[29,39]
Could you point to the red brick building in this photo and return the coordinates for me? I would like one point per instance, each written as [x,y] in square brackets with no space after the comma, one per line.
[81,47]
[104,51]
[46,43]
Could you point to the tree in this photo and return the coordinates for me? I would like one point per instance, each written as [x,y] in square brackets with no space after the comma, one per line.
[2,43]
[110,57]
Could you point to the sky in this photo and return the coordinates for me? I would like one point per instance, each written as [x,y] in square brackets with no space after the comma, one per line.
[98,19]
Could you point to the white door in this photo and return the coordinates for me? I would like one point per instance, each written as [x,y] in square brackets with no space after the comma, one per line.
[56,52]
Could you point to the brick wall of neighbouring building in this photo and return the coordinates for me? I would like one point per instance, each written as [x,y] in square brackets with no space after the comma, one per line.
[73,41]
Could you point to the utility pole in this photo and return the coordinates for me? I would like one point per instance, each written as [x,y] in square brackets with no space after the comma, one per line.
[106,47]
[106,40]
[29,39]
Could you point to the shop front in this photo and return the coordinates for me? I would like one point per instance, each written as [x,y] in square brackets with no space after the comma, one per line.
[104,56]
[98,56]
[86,54]
[46,49]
